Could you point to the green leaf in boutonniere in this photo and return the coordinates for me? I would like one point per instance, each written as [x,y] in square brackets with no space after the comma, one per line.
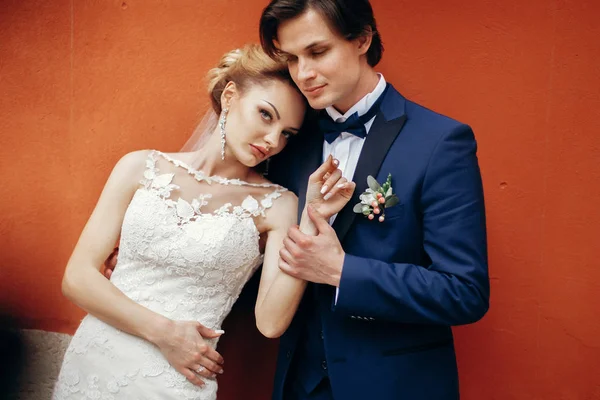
[373,184]
[376,199]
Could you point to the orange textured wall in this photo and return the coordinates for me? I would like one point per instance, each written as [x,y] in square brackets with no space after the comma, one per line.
[84,82]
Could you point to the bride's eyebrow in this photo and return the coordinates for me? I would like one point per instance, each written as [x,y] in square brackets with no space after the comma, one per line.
[274,108]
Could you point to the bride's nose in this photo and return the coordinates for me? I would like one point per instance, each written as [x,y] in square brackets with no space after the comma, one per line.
[272,138]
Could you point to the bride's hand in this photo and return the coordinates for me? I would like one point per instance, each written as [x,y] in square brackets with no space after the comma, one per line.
[182,344]
[328,192]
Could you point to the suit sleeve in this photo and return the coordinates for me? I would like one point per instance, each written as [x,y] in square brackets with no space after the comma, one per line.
[454,288]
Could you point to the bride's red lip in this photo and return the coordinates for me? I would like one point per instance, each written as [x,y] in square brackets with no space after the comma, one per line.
[261,150]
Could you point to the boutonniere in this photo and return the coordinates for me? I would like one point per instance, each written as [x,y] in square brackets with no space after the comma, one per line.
[376,199]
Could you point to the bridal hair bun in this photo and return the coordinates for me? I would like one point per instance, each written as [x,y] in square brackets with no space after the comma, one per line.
[246,66]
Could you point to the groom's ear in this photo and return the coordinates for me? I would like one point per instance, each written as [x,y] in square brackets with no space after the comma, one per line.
[229,92]
[364,41]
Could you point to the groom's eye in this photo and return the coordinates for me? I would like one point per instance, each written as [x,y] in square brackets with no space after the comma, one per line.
[319,52]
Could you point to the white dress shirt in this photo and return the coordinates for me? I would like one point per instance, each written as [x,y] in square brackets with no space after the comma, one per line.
[347,147]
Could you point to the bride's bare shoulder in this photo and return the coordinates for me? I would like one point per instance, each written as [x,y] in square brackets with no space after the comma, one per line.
[283,212]
[133,160]
[130,167]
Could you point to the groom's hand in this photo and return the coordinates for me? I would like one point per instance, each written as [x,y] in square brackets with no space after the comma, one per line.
[317,258]
[111,263]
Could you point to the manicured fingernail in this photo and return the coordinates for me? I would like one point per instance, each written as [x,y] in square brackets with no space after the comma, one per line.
[220,371]
[327,196]
[341,185]
[336,161]
[219,331]
[324,189]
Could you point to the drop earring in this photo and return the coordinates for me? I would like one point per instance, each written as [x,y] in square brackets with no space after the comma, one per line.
[222,122]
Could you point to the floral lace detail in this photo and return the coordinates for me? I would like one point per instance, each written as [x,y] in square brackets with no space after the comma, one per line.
[201,176]
[175,260]
[250,207]
[162,186]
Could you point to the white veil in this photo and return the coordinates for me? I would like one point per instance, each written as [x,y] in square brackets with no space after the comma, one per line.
[202,132]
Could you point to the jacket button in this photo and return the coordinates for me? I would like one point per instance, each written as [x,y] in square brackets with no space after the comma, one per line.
[322,336]
[288,354]
[324,365]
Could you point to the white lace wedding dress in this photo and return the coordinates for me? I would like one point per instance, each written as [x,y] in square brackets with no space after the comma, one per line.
[179,261]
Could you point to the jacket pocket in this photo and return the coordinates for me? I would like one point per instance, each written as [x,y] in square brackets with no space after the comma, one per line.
[415,349]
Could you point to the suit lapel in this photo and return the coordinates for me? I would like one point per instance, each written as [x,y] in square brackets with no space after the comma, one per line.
[386,127]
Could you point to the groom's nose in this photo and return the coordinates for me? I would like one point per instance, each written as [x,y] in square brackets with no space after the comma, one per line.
[306,70]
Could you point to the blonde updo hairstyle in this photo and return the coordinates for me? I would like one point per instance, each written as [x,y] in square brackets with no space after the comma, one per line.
[246,66]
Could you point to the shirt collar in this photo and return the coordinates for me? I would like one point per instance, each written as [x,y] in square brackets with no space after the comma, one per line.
[362,106]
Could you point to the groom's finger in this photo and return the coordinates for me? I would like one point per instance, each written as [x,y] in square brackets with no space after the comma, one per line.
[320,222]
[285,267]
[292,248]
[300,239]
[111,261]
[286,256]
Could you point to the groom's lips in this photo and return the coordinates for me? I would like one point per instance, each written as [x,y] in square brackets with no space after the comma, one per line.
[314,90]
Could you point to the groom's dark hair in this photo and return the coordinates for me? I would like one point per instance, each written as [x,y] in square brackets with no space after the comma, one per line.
[350,18]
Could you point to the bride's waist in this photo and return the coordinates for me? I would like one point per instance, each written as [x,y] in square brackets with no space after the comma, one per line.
[95,335]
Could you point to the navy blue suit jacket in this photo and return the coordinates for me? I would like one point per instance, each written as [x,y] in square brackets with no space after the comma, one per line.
[407,280]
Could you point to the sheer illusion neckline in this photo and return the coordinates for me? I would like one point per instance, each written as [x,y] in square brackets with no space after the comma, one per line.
[162,185]
[201,176]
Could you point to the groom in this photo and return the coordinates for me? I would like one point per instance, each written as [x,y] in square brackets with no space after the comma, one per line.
[375,323]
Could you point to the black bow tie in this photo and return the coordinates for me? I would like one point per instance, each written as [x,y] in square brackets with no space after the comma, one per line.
[355,124]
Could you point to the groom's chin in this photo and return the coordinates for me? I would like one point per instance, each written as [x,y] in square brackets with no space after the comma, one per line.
[319,103]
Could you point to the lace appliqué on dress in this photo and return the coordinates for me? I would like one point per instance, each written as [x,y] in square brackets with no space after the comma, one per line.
[175,260]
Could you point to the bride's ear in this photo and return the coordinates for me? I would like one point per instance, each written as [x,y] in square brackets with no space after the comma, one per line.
[229,93]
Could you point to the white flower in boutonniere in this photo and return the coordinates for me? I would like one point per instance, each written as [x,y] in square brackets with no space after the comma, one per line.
[376,199]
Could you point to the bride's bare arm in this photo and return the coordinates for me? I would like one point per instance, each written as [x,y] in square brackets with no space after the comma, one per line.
[84,284]
[279,294]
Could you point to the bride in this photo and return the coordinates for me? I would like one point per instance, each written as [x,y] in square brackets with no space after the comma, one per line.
[193,228]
